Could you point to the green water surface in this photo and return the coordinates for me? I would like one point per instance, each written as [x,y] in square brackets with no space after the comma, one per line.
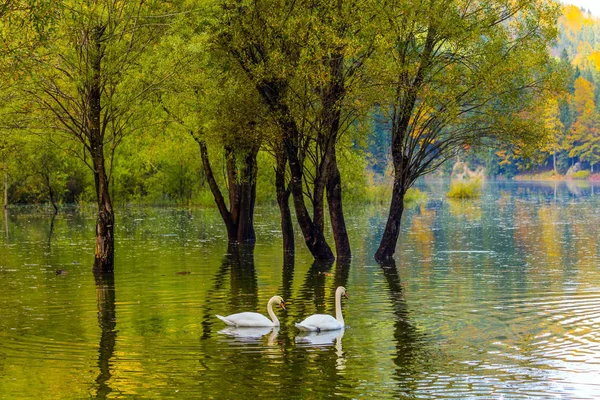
[497,297]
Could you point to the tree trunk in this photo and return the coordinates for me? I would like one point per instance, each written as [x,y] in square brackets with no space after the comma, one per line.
[105,249]
[404,173]
[247,198]
[554,163]
[239,217]
[333,97]
[283,201]
[387,246]
[214,188]
[271,92]
[319,197]
[336,212]
[313,235]
[6,189]
[234,194]
[51,193]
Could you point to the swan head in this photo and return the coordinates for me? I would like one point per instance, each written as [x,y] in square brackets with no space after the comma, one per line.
[341,291]
[278,300]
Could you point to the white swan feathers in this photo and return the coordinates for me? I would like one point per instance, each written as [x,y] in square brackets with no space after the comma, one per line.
[324,322]
[252,319]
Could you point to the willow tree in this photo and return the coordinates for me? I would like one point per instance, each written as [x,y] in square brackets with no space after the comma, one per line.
[303,59]
[87,86]
[456,72]
[210,100]
[234,122]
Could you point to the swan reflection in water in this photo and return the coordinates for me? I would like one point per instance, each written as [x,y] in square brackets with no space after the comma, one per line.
[324,339]
[250,334]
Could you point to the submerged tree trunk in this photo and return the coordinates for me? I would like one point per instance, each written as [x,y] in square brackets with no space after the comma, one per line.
[51,193]
[239,217]
[387,246]
[336,212]
[283,201]
[313,234]
[333,97]
[105,249]
[271,92]
[242,191]
[406,156]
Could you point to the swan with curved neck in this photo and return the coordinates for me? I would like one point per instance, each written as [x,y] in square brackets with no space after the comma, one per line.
[324,322]
[247,319]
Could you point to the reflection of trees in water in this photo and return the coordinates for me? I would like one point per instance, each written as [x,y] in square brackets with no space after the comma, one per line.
[315,368]
[244,286]
[313,288]
[105,294]
[342,272]
[239,262]
[287,276]
[412,357]
[259,366]
[243,373]
[51,231]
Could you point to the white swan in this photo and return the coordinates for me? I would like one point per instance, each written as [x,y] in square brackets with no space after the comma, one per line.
[324,322]
[252,319]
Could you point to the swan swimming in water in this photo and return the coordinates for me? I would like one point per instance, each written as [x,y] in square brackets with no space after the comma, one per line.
[324,322]
[252,319]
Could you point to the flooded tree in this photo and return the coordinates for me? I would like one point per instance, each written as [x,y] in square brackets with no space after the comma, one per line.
[84,87]
[306,77]
[215,105]
[454,75]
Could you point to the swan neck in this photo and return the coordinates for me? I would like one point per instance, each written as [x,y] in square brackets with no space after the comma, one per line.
[271,313]
[338,307]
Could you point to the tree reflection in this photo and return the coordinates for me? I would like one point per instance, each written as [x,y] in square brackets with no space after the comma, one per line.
[342,272]
[313,288]
[105,294]
[287,276]
[239,262]
[51,231]
[244,287]
[411,357]
[318,358]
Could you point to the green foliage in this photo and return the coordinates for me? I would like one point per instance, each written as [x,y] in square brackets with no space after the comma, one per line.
[464,190]
[582,174]
[414,195]
[178,84]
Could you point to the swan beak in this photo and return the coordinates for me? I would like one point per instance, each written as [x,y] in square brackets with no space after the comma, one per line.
[345,295]
[282,304]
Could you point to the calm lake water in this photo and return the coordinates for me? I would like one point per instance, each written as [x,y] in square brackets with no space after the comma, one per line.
[493,298]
